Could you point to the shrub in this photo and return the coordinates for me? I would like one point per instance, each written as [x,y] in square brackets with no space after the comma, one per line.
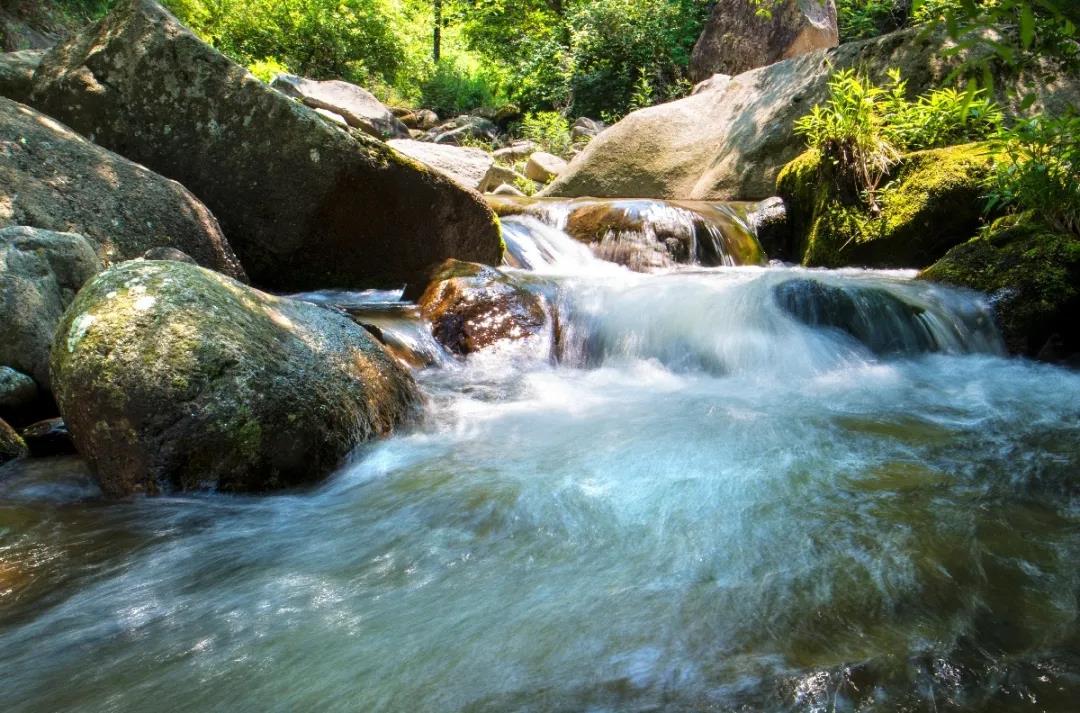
[862,19]
[549,129]
[459,84]
[267,69]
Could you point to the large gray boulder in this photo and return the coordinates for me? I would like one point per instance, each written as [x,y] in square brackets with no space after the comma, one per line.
[52,178]
[17,73]
[304,204]
[737,38]
[172,377]
[40,272]
[357,106]
[468,167]
[730,140]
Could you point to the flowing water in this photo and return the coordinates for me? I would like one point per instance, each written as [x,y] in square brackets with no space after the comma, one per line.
[725,489]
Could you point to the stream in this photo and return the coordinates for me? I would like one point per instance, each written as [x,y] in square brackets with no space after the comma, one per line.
[721,485]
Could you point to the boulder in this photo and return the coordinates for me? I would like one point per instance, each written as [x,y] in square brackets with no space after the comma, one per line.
[715,83]
[464,128]
[508,190]
[471,307]
[500,175]
[52,178]
[468,167]
[12,445]
[357,106]
[168,254]
[335,119]
[17,390]
[48,438]
[768,220]
[1032,274]
[304,204]
[584,127]
[730,142]
[426,119]
[737,38]
[172,377]
[40,272]
[17,73]
[33,24]
[934,202]
[544,167]
[516,151]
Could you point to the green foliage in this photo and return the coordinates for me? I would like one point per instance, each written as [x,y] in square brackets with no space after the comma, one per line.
[1040,170]
[863,128]
[549,129]
[862,19]
[458,85]
[268,68]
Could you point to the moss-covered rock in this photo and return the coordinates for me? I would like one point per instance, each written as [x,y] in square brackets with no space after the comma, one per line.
[12,445]
[1032,273]
[173,377]
[932,202]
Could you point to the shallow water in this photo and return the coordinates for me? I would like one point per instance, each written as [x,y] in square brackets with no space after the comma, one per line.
[695,502]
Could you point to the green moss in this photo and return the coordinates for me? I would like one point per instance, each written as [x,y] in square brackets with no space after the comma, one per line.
[1032,271]
[933,202]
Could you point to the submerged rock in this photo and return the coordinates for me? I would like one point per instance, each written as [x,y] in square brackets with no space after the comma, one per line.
[471,307]
[17,73]
[1032,273]
[12,445]
[738,38]
[40,272]
[304,204]
[934,202]
[52,178]
[357,106]
[468,167]
[173,377]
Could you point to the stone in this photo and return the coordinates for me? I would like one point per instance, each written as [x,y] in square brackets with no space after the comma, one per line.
[33,24]
[54,179]
[468,167]
[426,119]
[357,106]
[17,390]
[17,73]
[168,254]
[507,189]
[472,307]
[40,272]
[12,445]
[736,38]
[544,167]
[305,205]
[768,219]
[48,438]
[730,142]
[335,119]
[172,377]
[464,128]
[715,83]
[516,151]
[499,175]
[584,127]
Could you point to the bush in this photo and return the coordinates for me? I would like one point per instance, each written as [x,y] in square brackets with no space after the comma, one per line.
[267,69]
[460,84]
[550,130]
[1040,170]
[862,19]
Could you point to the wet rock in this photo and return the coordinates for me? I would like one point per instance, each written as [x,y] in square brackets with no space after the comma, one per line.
[544,167]
[471,307]
[172,377]
[48,438]
[17,73]
[40,272]
[11,444]
[357,106]
[468,167]
[63,479]
[736,38]
[17,390]
[304,204]
[52,178]
[769,221]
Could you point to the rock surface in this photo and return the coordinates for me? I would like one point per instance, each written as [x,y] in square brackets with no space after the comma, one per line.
[305,205]
[737,39]
[48,438]
[11,444]
[730,141]
[357,106]
[173,377]
[31,24]
[461,128]
[17,73]
[935,202]
[471,307]
[52,178]
[40,272]
[1032,274]
[468,167]
[17,390]
[544,167]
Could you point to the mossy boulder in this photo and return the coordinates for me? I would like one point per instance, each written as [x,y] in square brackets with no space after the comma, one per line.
[931,202]
[471,307]
[171,377]
[12,445]
[304,204]
[1032,273]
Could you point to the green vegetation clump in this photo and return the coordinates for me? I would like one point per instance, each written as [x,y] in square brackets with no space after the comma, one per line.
[550,130]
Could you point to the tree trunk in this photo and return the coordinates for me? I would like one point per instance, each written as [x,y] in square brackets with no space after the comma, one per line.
[436,37]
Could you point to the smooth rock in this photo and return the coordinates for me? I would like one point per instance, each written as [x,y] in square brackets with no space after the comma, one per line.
[471,307]
[736,38]
[17,390]
[499,175]
[168,254]
[52,178]
[584,127]
[516,151]
[507,189]
[49,437]
[172,377]
[715,83]
[11,444]
[40,272]
[463,128]
[305,205]
[426,119]
[357,106]
[544,167]
[333,118]
[17,73]
[768,219]
[468,167]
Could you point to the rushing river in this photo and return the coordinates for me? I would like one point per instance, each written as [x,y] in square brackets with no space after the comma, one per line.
[706,497]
